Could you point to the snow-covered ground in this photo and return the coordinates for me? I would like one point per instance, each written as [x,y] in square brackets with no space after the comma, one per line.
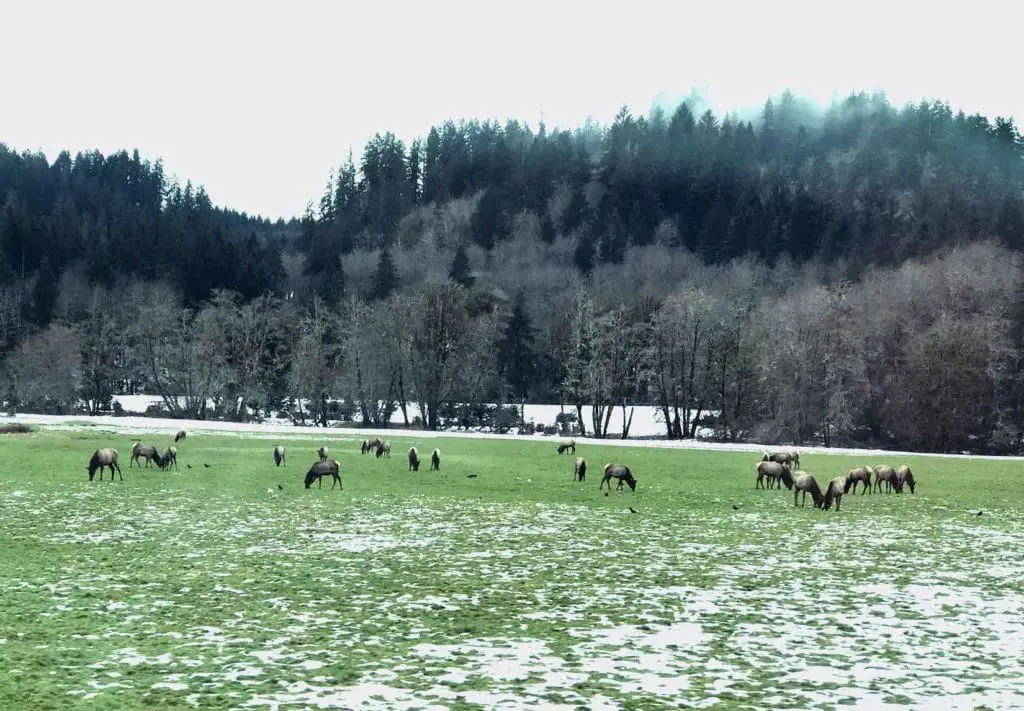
[643,424]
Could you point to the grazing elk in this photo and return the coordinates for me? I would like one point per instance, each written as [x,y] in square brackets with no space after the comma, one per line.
[104,458]
[279,455]
[620,472]
[169,457]
[319,470]
[180,436]
[570,445]
[855,476]
[834,492]
[435,460]
[145,451]
[904,477]
[384,450]
[580,470]
[806,483]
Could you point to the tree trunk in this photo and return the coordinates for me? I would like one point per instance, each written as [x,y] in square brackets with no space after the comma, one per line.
[626,422]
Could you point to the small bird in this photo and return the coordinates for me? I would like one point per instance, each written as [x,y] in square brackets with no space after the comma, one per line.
[206,465]
[280,487]
[189,466]
[735,507]
[979,513]
[632,510]
[471,476]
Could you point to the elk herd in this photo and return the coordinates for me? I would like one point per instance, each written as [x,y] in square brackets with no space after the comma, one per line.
[776,469]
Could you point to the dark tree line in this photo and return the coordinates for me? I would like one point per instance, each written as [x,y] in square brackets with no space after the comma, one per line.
[865,181]
[119,215]
[808,277]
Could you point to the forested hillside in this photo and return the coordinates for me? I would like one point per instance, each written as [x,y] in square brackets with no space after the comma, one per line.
[851,276]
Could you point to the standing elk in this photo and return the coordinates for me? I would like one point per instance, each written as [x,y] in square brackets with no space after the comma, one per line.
[888,475]
[279,455]
[435,459]
[414,460]
[580,470]
[775,473]
[791,457]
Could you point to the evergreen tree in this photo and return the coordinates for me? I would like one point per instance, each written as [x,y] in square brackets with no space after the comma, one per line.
[547,229]
[487,224]
[517,360]
[585,252]
[460,271]
[385,278]
[44,293]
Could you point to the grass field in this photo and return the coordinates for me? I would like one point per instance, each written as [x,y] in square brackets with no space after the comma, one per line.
[213,588]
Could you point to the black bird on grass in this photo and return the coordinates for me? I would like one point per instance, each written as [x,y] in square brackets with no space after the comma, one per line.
[471,476]
[189,466]
[280,487]
[206,465]
[632,510]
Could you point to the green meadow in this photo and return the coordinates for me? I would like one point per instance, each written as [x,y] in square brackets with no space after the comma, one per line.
[226,584]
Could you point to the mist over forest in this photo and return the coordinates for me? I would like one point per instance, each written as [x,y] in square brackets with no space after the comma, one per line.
[849,276]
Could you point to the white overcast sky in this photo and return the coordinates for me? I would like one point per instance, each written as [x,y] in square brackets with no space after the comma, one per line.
[258,101]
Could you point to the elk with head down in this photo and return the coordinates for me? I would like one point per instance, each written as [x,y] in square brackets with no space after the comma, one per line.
[145,451]
[580,470]
[806,483]
[775,473]
[904,477]
[834,492]
[564,446]
[384,450]
[435,459]
[887,474]
[619,472]
[414,460]
[104,458]
[319,470]
[169,457]
[180,436]
[279,455]
[791,457]
[859,475]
